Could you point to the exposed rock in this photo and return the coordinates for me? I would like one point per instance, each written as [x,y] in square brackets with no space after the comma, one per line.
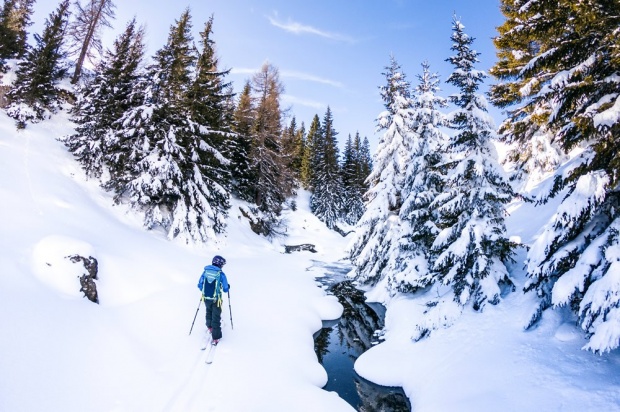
[342,232]
[87,280]
[299,248]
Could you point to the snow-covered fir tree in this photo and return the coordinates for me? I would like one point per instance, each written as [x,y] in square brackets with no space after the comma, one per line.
[470,249]
[161,149]
[327,198]
[376,235]
[560,60]
[409,260]
[35,91]
[208,100]
[102,102]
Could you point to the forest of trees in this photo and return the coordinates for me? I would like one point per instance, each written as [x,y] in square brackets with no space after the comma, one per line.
[168,135]
[435,209]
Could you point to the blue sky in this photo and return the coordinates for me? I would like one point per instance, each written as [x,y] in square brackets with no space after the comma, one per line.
[329,52]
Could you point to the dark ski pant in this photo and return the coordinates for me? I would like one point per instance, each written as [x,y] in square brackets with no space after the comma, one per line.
[214,315]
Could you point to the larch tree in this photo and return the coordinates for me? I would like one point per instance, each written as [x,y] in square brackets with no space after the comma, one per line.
[36,91]
[560,61]
[267,163]
[85,31]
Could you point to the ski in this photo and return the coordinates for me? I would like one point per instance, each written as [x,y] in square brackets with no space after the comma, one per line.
[211,354]
[206,342]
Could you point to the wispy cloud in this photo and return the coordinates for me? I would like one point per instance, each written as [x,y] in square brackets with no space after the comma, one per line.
[299,28]
[303,102]
[292,75]
[242,70]
[310,78]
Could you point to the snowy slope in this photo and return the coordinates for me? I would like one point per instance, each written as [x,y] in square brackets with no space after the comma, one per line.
[60,352]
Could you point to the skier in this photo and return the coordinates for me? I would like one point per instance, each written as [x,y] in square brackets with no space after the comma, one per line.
[212,282]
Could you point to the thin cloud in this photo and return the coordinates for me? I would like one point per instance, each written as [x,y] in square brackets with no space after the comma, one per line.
[303,102]
[299,28]
[237,70]
[311,78]
[292,75]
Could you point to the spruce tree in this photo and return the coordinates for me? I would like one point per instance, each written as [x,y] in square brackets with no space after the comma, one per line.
[410,262]
[289,151]
[471,248]
[559,66]
[14,20]
[376,235]
[299,145]
[208,101]
[353,180]
[242,176]
[35,91]
[162,150]
[307,160]
[327,199]
[103,102]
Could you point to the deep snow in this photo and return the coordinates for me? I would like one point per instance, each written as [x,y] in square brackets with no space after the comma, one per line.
[60,352]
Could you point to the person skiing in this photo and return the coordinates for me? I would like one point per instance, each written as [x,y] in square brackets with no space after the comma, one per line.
[212,283]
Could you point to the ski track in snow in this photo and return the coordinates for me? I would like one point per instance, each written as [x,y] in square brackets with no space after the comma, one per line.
[193,387]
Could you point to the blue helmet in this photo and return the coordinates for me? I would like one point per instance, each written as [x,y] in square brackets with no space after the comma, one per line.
[218,261]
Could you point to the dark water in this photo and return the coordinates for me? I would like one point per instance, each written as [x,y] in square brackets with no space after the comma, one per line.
[341,342]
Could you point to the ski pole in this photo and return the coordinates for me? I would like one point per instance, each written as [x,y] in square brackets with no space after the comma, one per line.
[197,309]
[230,311]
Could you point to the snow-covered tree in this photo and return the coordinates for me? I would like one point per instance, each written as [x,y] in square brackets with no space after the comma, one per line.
[422,182]
[208,103]
[327,199]
[102,102]
[376,232]
[35,91]
[471,248]
[561,59]
[163,149]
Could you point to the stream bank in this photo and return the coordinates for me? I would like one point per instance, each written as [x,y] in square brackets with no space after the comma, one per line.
[340,342]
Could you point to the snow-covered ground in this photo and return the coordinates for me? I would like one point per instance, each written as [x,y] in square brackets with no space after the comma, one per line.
[132,352]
